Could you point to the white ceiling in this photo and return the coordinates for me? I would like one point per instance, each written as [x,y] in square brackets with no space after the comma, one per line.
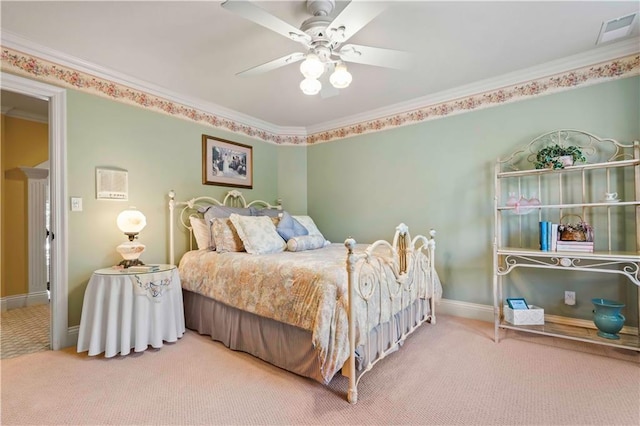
[194,49]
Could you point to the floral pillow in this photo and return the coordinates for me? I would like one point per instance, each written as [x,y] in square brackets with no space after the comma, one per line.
[305,242]
[225,235]
[258,234]
[202,233]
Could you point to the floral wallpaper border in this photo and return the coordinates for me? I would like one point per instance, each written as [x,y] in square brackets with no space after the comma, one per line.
[619,68]
[30,66]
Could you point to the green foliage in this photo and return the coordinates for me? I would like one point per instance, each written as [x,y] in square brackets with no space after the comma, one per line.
[550,156]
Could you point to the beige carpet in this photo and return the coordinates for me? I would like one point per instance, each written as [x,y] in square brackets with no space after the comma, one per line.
[24,331]
[450,373]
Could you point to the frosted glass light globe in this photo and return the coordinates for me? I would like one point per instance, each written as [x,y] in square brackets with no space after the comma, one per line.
[131,221]
[340,78]
[310,86]
[312,67]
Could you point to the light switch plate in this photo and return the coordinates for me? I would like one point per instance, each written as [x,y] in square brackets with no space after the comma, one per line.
[76,204]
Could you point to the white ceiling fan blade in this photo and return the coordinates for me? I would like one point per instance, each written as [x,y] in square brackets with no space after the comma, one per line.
[353,17]
[328,91]
[376,56]
[250,11]
[272,65]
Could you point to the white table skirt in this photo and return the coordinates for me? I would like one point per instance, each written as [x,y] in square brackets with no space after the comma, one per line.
[123,311]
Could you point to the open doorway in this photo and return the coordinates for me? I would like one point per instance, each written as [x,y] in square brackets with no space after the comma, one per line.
[59,334]
[26,314]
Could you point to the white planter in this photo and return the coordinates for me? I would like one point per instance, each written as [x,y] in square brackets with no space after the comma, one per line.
[566,160]
[532,316]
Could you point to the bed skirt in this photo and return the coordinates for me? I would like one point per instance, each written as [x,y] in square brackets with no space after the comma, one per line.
[279,344]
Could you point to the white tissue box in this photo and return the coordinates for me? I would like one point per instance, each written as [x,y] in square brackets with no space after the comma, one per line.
[532,316]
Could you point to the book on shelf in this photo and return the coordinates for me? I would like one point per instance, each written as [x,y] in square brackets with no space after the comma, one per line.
[576,243]
[143,268]
[583,246]
[545,234]
[554,237]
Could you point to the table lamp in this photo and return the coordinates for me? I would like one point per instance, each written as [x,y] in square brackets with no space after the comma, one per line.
[131,222]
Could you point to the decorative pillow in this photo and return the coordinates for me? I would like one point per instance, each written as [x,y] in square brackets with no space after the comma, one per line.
[288,227]
[305,242]
[265,212]
[225,235]
[212,212]
[309,224]
[202,233]
[258,234]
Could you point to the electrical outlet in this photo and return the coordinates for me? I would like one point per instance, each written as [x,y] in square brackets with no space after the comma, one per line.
[570,298]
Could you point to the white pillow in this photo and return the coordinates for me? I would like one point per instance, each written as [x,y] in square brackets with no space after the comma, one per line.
[258,234]
[308,223]
[305,242]
[202,233]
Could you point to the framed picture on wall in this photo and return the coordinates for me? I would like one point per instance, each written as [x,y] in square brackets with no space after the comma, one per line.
[226,163]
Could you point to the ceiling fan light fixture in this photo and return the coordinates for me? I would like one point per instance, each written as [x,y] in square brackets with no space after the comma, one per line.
[340,78]
[310,86]
[312,67]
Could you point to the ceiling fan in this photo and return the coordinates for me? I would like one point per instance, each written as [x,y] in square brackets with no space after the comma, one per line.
[323,38]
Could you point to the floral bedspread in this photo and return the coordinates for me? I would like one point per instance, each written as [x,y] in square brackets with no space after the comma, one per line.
[307,289]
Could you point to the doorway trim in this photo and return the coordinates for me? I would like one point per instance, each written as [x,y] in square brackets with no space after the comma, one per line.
[57,98]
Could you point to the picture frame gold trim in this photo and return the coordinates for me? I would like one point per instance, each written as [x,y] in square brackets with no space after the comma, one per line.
[226,163]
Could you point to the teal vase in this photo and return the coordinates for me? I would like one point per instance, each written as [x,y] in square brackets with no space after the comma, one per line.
[607,317]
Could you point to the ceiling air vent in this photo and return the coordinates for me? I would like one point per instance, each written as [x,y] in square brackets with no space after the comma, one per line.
[616,28]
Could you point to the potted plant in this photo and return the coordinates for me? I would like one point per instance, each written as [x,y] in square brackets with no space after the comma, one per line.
[557,157]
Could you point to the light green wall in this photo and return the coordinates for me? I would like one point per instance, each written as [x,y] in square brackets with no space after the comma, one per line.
[160,153]
[439,174]
[292,178]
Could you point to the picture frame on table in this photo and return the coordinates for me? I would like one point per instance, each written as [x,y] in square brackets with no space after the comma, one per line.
[226,163]
[517,303]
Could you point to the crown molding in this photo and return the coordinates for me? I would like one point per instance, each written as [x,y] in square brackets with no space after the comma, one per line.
[24,115]
[21,44]
[617,60]
[594,56]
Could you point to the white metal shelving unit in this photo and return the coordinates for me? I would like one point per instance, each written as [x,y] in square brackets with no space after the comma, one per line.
[578,190]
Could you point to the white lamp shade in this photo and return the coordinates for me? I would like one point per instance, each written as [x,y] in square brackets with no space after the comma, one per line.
[312,67]
[131,221]
[310,86]
[340,78]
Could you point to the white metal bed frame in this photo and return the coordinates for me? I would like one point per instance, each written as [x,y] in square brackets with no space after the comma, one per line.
[412,260]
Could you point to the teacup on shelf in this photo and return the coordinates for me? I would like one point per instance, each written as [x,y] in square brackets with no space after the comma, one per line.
[611,197]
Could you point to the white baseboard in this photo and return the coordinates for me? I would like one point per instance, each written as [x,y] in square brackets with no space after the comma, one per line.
[465,310]
[22,300]
[72,336]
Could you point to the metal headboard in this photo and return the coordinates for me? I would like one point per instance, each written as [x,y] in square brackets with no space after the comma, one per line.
[187,209]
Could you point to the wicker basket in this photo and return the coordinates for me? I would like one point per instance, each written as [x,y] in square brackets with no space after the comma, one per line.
[580,231]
